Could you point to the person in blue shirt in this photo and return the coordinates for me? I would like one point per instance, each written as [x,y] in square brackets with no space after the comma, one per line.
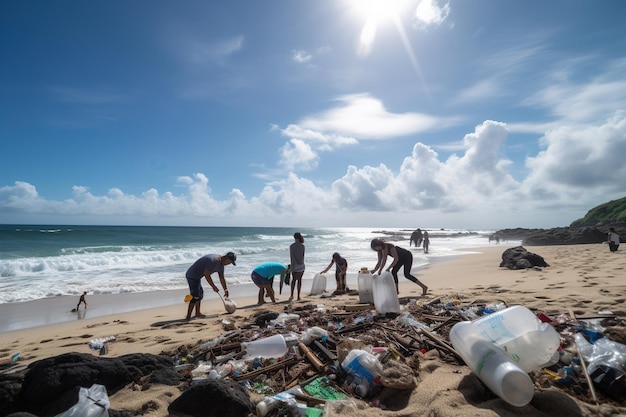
[204,267]
[263,275]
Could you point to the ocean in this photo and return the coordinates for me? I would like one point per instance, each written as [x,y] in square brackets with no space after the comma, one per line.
[38,261]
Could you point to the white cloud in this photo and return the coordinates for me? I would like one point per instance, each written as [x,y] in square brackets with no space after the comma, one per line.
[364,117]
[296,155]
[199,52]
[429,13]
[577,158]
[301,56]
[579,167]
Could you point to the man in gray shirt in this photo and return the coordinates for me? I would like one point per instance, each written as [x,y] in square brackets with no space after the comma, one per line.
[296,253]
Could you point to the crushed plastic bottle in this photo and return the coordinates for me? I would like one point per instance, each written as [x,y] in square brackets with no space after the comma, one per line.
[407,318]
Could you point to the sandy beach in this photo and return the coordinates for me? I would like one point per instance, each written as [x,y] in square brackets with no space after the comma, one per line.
[581,279]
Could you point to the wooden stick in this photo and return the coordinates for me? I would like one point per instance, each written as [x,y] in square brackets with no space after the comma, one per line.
[584,366]
[311,357]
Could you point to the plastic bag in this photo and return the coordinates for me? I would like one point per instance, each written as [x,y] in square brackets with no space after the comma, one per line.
[92,402]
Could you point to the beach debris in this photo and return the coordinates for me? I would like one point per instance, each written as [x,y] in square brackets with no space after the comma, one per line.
[101,344]
[92,402]
[310,351]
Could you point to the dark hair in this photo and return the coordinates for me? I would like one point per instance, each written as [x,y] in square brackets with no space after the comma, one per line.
[336,255]
[298,237]
[377,242]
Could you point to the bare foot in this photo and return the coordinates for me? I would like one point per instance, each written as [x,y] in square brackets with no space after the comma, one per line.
[200,316]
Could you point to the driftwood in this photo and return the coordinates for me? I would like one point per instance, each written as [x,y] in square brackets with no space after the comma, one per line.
[311,356]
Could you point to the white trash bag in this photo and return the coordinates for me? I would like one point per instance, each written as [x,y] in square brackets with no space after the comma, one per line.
[92,402]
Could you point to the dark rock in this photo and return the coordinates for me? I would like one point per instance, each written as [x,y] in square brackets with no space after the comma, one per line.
[519,258]
[21,414]
[51,385]
[167,376]
[140,364]
[48,381]
[218,398]
[557,235]
[9,390]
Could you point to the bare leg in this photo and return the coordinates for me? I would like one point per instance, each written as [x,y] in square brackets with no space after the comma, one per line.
[190,309]
[270,290]
[198,313]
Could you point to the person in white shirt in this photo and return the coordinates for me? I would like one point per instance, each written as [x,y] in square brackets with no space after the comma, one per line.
[613,239]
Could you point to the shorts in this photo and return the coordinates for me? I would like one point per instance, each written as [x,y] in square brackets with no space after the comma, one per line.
[195,289]
[259,280]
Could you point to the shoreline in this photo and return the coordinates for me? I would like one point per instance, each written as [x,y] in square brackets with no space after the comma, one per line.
[28,314]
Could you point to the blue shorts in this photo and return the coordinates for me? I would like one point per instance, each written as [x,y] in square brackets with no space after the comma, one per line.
[195,289]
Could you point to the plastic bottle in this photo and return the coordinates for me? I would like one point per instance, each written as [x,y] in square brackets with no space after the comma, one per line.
[264,407]
[408,319]
[517,331]
[495,368]
[363,367]
[365,282]
[319,284]
[268,347]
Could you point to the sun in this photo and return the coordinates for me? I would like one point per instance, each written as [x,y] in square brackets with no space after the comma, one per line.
[375,13]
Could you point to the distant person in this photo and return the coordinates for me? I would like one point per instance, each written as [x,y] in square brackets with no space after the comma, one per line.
[341,268]
[416,237]
[263,276]
[82,300]
[401,258]
[613,239]
[204,267]
[426,242]
[296,253]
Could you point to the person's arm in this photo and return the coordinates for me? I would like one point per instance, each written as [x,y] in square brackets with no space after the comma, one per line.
[223,283]
[393,253]
[207,275]
[328,267]
[382,260]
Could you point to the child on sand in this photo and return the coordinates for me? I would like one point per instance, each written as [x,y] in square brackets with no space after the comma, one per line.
[82,301]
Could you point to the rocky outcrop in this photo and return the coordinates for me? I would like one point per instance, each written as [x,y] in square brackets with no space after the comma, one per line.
[51,385]
[519,258]
[213,398]
[562,235]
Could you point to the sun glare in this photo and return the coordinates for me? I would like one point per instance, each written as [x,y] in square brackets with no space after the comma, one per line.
[375,13]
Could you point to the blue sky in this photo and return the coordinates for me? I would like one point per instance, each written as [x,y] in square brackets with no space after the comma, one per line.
[405,113]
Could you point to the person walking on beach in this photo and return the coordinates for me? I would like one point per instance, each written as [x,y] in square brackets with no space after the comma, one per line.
[204,267]
[82,300]
[613,239]
[401,258]
[263,276]
[426,242]
[296,253]
[341,268]
[416,237]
